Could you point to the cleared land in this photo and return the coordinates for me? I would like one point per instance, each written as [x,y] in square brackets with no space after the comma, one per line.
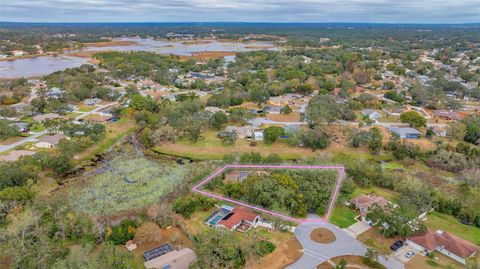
[353,262]
[211,148]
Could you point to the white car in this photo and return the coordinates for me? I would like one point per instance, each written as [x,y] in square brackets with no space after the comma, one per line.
[409,254]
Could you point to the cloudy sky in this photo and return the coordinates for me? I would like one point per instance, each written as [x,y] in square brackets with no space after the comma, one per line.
[393,11]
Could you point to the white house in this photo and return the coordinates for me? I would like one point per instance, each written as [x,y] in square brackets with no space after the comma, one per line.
[372,114]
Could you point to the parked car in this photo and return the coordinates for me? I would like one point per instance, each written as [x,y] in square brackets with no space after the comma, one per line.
[409,254]
[397,245]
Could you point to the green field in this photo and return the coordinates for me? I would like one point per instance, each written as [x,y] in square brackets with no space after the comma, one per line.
[439,221]
[342,216]
[127,183]
[390,195]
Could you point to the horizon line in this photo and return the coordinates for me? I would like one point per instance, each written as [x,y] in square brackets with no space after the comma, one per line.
[243,22]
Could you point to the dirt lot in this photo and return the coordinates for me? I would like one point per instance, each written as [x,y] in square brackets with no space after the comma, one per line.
[353,262]
[322,235]
[286,253]
[286,118]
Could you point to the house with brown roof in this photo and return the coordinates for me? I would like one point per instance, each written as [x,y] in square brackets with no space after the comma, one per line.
[240,219]
[447,115]
[50,141]
[44,117]
[365,202]
[233,218]
[445,243]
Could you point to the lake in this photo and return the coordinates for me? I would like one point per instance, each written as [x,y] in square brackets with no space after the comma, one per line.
[44,65]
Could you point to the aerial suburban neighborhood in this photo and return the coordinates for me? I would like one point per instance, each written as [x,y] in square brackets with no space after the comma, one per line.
[239,145]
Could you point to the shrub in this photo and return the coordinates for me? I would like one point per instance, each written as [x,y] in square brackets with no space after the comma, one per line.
[265,247]
[123,232]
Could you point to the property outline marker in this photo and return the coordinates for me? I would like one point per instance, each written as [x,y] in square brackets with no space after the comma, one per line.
[341,172]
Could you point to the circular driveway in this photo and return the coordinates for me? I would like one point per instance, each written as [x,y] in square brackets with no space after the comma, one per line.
[316,253]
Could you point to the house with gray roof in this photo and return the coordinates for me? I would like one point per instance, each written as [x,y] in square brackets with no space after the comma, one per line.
[405,132]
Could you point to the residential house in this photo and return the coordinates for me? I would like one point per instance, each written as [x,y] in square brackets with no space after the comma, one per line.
[440,131]
[92,101]
[372,114]
[257,135]
[14,155]
[405,132]
[272,110]
[214,109]
[44,117]
[17,53]
[50,141]
[445,243]
[165,257]
[242,131]
[447,115]
[55,92]
[364,203]
[21,126]
[235,176]
[233,218]
[130,245]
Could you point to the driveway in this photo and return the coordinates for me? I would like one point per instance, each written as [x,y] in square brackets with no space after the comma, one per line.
[357,228]
[316,253]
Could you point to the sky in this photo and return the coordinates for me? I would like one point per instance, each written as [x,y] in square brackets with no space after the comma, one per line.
[381,11]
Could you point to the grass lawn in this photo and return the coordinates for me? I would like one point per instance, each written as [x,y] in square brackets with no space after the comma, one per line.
[209,147]
[85,108]
[342,216]
[439,221]
[388,194]
[114,131]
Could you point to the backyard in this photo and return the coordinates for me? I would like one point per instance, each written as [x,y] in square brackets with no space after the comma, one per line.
[439,221]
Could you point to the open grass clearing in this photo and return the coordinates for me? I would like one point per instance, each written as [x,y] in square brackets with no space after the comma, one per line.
[343,216]
[390,195]
[211,148]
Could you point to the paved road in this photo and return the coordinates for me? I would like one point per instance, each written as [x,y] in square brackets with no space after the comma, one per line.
[316,253]
[35,135]
[257,122]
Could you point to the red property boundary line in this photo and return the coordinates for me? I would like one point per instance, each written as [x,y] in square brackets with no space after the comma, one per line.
[341,172]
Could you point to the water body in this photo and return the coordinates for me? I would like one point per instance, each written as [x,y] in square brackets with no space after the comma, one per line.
[38,66]
[44,65]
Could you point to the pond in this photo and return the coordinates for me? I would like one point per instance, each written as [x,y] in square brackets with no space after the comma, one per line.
[44,65]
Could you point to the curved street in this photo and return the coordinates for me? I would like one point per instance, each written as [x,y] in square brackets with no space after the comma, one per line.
[316,253]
